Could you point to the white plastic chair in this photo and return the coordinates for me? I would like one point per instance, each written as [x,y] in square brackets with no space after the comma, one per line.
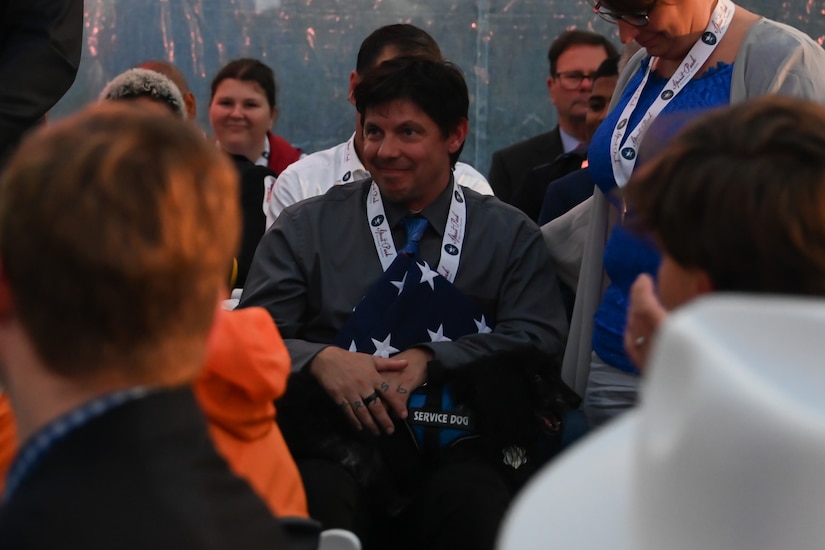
[339,539]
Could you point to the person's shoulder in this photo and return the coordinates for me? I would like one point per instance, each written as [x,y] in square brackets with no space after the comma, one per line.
[767,36]
[250,172]
[777,58]
[319,205]
[777,30]
[279,141]
[314,163]
[468,176]
[559,166]
[573,179]
[545,139]
[491,206]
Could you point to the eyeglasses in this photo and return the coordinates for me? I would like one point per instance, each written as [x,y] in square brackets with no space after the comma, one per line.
[571,80]
[612,16]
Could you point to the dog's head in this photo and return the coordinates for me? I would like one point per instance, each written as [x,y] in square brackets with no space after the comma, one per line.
[514,395]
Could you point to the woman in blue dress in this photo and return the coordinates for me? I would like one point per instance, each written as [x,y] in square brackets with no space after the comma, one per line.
[697,55]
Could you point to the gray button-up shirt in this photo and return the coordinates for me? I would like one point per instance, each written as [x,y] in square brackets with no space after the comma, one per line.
[318,261]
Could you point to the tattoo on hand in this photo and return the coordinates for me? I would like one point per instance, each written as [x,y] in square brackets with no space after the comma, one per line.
[401,389]
[384,386]
[343,404]
[356,405]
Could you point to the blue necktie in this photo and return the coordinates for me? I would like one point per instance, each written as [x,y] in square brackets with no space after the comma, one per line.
[415,228]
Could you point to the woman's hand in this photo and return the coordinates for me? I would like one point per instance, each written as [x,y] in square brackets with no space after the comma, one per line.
[644,316]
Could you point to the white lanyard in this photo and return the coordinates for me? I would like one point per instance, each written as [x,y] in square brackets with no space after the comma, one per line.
[624,158]
[450,245]
[350,168]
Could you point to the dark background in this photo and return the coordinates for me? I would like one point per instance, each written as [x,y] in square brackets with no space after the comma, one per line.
[311,44]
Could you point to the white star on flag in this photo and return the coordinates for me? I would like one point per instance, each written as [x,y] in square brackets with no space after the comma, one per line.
[427,274]
[383,349]
[482,326]
[438,336]
[353,347]
[399,284]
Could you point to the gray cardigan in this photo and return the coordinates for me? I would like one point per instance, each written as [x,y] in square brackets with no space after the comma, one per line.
[773,59]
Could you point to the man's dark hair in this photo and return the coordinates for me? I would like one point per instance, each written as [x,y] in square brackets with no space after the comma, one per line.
[608,67]
[407,40]
[576,37]
[436,87]
[249,70]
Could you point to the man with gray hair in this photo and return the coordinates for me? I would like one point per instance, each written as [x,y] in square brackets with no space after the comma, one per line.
[149,87]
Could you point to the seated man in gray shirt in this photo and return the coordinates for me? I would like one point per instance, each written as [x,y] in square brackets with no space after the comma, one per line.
[378,280]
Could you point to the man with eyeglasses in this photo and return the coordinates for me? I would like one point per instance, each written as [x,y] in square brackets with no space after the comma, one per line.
[574,57]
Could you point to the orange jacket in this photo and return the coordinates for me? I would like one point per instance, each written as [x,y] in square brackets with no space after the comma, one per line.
[8,438]
[247,366]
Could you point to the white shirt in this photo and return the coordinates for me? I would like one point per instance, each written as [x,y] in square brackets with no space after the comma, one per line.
[316,173]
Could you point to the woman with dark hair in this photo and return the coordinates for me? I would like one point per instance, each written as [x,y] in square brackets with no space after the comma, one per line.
[242,111]
[696,54]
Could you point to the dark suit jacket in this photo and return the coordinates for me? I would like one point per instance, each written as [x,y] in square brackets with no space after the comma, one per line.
[143,475]
[509,166]
[565,193]
[40,44]
[530,196]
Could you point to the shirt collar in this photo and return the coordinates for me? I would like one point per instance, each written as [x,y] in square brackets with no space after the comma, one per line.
[351,168]
[42,441]
[568,142]
[263,160]
[435,213]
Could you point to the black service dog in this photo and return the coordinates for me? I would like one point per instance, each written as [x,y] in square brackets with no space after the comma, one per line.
[517,401]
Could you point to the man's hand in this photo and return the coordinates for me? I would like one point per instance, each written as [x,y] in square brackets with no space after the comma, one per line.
[354,382]
[402,382]
[644,315]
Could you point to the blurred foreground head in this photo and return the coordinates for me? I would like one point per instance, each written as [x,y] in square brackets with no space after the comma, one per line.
[117,228]
[740,195]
